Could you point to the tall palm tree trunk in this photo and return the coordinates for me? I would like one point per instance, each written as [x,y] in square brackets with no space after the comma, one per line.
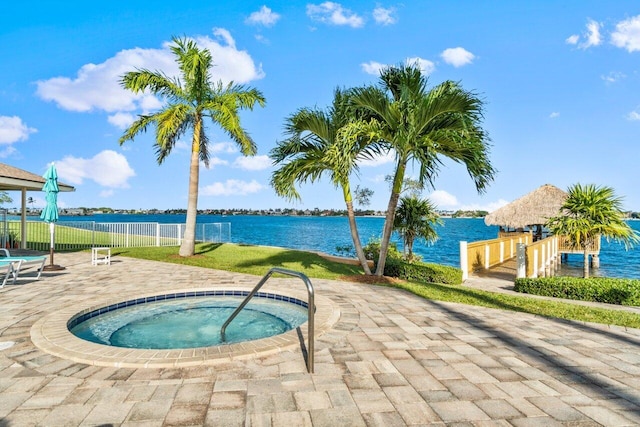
[355,236]
[386,233]
[188,246]
[388,221]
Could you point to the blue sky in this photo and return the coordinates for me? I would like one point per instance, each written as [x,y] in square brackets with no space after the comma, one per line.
[561,83]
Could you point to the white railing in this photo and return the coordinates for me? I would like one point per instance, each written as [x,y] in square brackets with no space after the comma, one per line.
[85,234]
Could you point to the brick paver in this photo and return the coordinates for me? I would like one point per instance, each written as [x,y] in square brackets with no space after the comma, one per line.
[390,358]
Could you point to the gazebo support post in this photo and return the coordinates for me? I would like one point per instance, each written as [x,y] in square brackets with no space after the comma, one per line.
[23,220]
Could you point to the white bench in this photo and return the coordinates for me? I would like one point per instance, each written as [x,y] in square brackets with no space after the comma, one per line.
[101,255]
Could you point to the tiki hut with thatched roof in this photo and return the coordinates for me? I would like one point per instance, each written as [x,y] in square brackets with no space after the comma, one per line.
[529,211]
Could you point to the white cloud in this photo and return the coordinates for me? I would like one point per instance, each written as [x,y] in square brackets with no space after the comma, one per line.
[384,16]
[97,86]
[334,14]
[231,187]
[383,159]
[121,120]
[443,200]
[223,147]
[253,163]
[627,34]
[591,36]
[106,193]
[378,178]
[554,115]
[572,39]
[427,67]
[181,145]
[264,16]
[372,67]
[633,116]
[12,129]
[7,151]
[457,56]
[107,168]
[613,77]
[216,161]
[489,207]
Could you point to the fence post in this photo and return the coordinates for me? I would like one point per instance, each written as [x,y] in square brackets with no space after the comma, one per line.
[157,234]
[501,252]
[534,274]
[464,263]
[487,254]
[521,260]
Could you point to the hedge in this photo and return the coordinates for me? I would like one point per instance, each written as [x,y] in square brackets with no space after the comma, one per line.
[423,272]
[596,289]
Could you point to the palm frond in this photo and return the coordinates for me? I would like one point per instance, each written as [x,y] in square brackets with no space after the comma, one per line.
[155,82]
[171,124]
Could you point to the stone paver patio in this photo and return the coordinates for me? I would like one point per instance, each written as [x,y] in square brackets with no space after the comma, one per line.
[390,358]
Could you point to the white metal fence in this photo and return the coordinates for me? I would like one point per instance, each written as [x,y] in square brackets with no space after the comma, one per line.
[85,234]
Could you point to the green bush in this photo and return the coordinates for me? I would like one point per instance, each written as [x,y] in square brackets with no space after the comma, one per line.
[423,272]
[596,289]
[372,251]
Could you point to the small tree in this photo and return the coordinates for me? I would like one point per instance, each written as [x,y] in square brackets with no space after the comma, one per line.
[588,213]
[5,198]
[415,219]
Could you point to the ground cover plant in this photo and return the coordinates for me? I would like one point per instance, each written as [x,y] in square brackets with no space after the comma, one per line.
[258,260]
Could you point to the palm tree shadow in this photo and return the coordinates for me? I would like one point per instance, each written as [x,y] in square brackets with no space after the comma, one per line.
[492,302]
[308,260]
[206,247]
[554,361]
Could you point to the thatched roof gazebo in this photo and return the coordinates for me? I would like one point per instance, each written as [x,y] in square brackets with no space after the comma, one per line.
[533,209]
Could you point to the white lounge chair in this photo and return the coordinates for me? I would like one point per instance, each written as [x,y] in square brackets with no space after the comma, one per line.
[7,269]
[19,262]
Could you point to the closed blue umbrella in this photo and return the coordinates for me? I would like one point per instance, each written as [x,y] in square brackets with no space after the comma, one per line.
[50,212]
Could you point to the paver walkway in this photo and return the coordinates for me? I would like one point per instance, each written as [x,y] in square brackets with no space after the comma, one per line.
[391,359]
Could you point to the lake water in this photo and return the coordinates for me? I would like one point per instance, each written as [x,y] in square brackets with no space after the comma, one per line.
[326,234]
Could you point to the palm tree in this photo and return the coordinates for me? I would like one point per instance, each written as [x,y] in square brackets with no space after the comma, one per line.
[589,212]
[190,99]
[315,147]
[421,126]
[415,219]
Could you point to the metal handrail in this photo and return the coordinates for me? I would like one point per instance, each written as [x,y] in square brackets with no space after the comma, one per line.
[310,308]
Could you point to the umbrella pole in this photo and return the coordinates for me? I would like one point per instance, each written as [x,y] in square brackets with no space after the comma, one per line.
[52,266]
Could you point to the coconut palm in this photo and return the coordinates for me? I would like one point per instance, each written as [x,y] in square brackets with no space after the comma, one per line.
[589,212]
[190,99]
[424,126]
[415,219]
[315,147]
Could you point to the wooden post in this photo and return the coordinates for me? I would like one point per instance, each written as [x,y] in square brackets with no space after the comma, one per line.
[521,262]
[464,263]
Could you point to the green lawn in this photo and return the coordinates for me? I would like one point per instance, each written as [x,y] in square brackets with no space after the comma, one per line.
[258,260]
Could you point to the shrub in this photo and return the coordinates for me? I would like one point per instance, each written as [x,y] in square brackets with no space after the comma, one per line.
[372,251]
[423,272]
[596,289]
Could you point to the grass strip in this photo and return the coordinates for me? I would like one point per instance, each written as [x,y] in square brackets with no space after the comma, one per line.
[257,260]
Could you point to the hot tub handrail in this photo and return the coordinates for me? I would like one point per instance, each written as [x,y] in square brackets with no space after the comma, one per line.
[310,308]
